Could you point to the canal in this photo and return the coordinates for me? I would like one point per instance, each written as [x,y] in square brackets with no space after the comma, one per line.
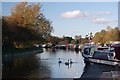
[45,65]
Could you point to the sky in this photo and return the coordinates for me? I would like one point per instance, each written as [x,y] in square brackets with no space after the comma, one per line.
[76,18]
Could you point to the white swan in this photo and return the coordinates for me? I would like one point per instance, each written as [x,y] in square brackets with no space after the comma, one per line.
[71,61]
[59,61]
[67,63]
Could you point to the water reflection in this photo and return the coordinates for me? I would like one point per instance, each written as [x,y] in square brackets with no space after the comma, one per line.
[45,65]
[25,67]
[77,51]
[61,70]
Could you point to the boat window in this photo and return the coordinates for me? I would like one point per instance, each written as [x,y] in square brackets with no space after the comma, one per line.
[92,50]
[86,51]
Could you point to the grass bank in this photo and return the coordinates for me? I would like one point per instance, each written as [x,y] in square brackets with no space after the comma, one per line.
[22,50]
[14,52]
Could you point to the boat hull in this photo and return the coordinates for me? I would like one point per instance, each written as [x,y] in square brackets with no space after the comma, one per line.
[117,51]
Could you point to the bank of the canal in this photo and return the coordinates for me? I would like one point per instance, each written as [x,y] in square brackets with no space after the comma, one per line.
[8,54]
[98,72]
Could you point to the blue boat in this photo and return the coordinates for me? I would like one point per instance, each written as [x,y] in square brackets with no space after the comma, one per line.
[107,57]
[88,51]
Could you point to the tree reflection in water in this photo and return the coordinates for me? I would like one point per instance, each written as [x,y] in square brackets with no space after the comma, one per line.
[45,65]
[25,67]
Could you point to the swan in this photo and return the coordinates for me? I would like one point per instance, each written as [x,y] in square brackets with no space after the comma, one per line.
[71,61]
[59,61]
[67,63]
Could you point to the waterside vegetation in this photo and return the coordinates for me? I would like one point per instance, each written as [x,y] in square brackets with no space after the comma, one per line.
[27,26]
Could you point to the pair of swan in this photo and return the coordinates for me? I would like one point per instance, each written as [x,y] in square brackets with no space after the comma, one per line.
[69,62]
[66,63]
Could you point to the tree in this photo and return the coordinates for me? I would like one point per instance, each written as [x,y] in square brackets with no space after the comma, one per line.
[105,36]
[53,39]
[6,34]
[97,38]
[69,39]
[31,16]
[116,34]
[109,28]
[25,24]
[78,39]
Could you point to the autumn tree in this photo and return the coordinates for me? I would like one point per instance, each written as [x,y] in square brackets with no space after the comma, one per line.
[25,24]
[31,16]
[97,38]
[105,36]
[116,33]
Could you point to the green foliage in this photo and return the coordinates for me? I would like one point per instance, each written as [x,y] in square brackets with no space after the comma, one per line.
[69,39]
[53,39]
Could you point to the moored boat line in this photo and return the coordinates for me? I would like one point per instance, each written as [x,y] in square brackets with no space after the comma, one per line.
[107,56]
[64,47]
[96,54]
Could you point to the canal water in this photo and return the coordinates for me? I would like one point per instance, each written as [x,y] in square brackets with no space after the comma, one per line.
[45,65]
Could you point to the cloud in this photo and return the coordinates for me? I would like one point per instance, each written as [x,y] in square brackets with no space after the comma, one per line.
[74,14]
[104,13]
[103,20]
